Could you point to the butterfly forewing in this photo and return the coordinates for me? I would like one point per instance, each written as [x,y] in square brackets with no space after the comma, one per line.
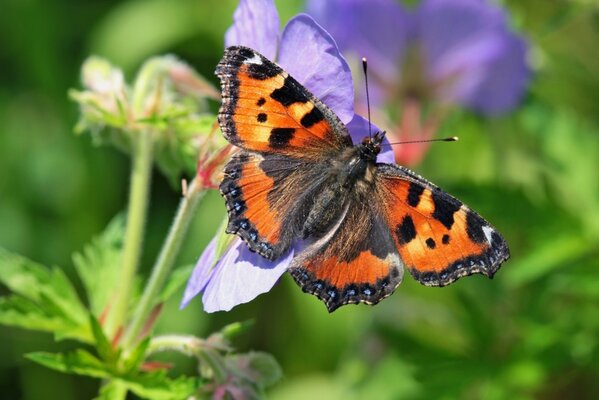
[266,110]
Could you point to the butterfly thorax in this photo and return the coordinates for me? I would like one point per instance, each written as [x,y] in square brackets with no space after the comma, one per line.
[361,166]
[351,177]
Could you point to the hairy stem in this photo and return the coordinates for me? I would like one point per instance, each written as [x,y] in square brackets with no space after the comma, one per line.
[136,219]
[164,263]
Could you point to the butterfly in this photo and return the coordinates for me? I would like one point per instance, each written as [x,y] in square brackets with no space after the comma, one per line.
[298,178]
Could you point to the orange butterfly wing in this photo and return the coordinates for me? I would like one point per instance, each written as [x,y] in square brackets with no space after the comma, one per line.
[357,262]
[266,110]
[438,238]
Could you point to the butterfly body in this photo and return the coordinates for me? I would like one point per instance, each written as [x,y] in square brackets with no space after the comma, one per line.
[298,180]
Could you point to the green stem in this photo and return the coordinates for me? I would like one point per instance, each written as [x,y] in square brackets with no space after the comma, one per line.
[164,263]
[136,219]
[184,344]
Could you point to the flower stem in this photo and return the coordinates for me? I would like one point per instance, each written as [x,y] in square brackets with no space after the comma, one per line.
[136,219]
[164,263]
[184,344]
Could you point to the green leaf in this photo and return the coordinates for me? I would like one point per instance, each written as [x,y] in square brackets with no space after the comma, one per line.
[98,265]
[138,355]
[103,345]
[79,362]
[154,385]
[44,299]
[24,313]
[157,385]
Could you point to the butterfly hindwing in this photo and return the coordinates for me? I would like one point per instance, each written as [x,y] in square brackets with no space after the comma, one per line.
[357,262]
[266,110]
[438,238]
[266,196]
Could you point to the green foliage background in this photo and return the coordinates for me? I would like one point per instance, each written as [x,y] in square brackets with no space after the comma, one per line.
[532,332]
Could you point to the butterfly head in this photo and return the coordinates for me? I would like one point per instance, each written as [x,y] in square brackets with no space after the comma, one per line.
[371,146]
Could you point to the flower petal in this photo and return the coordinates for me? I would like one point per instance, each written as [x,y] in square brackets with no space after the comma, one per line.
[379,30]
[256,25]
[311,56]
[505,80]
[470,52]
[201,274]
[358,130]
[240,276]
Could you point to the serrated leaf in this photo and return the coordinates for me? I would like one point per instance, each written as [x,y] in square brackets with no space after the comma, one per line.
[79,362]
[98,264]
[45,299]
[103,345]
[154,385]
[157,385]
[24,313]
[138,355]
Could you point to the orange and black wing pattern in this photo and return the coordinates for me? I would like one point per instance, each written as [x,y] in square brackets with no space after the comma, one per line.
[266,110]
[266,197]
[439,239]
[357,262]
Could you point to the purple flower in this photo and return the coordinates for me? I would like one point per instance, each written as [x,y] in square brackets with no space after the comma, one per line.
[307,52]
[442,53]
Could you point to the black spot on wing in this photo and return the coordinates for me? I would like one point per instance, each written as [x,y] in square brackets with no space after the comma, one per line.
[261,102]
[258,67]
[430,243]
[263,71]
[289,93]
[280,137]
[445,239]
[262,117]
[406,231]
[474,227]
[445,207]
[312,118]
[486,263]
[414,192]
[246,53]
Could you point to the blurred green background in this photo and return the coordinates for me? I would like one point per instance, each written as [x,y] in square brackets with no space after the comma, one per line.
[531,333]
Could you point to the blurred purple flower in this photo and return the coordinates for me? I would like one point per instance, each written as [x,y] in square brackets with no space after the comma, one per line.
[308,53]
[442,53]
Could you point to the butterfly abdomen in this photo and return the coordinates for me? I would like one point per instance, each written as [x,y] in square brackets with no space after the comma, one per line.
[327,208]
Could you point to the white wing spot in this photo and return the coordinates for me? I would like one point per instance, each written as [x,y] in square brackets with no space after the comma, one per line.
[254,60]
[488,231]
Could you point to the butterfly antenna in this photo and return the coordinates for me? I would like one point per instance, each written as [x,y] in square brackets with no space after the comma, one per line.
[365,67]
[447,139]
